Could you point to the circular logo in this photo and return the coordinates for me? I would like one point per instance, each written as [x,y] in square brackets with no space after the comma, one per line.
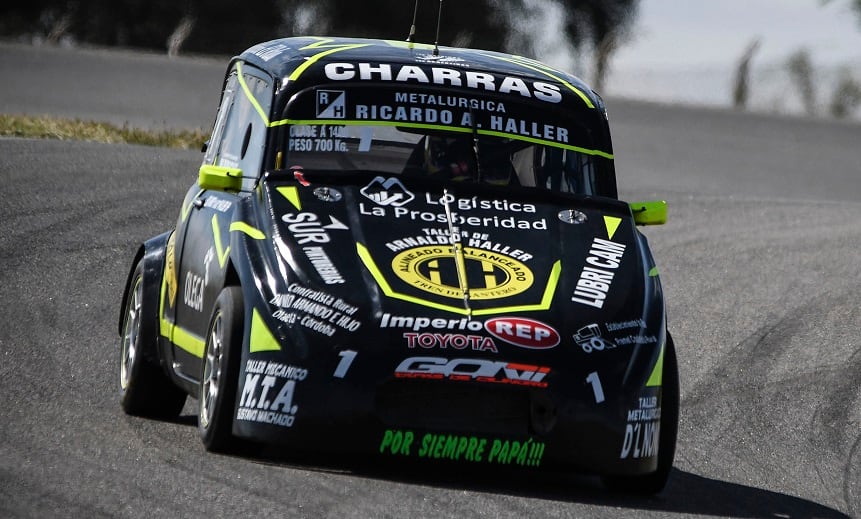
[487,274]
[523,332]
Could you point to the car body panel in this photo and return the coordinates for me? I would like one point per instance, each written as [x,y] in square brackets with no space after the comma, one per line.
[405,316]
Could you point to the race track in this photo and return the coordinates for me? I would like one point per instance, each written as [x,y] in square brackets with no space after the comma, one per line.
[759,262]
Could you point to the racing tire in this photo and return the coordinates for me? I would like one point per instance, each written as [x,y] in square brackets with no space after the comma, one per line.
[145,390]
[653,483]
[221,371]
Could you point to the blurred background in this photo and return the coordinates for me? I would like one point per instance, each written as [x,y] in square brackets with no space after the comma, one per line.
[778,56]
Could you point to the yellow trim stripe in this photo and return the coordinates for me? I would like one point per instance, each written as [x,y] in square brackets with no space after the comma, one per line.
[176,335]
[423,126]
[546,300]
[256,234]
[387,289]
[612,223]
[523,62]
[219,251]
[585,151]
[250,95]
[261,338]
[291,193]
[164,324]
[186,209]
[657,376]
[188,341]
[316,57]
[408,45]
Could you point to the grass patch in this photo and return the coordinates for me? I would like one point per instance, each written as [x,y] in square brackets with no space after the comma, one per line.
[45,127]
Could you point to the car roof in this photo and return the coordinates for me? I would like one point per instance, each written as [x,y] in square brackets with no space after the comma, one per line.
[299,60]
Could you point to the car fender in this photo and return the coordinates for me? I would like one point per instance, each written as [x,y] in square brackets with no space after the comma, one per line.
[153,252]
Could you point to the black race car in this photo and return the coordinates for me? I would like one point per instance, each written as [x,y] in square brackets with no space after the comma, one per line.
[412,254]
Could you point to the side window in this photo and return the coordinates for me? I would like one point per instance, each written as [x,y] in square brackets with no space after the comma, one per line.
[215,140]
[244,139]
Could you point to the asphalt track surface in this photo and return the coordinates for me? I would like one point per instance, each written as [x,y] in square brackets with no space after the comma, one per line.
[759,261]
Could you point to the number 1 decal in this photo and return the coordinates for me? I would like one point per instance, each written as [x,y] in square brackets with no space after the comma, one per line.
[596,386]
[347,357]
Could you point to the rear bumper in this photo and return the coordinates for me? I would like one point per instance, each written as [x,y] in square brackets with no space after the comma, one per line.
[462,423]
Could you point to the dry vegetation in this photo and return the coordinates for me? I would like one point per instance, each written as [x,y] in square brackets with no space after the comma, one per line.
[45,127]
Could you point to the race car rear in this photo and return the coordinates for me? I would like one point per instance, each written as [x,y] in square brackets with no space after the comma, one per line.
[465,324]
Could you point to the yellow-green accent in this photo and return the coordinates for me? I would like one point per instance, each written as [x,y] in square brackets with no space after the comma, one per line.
[423,126]
[291,193]
[179,336]
[657,376]
[176,335]
[219,178]
[182,338]
[164,325]
[585,151]
[533,65]
[256,234]
[322,44]
[546,299]
[250,95]
[221,252]
[261,338]
[188,341]
[408,44]
[653,272]
[649,213]
[612,223]
[186,208]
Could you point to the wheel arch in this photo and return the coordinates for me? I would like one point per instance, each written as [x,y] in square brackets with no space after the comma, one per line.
[152,252]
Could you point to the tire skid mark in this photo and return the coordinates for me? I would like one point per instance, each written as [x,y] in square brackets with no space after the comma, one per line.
[754,380]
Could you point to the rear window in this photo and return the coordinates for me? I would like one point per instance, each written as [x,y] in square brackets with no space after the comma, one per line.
[493,140]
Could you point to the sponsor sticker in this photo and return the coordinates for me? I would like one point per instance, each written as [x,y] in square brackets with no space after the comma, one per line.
[597,275]
[192,294]
[589,338]
[310,230]
[434,269]
[463,448]
[478,370]
[318,138]
[523,332]
[331,104]
[457,341]
[642,432]
[387,192]
[543,91]
[315,310]
[268,392]
[218,204]
[170,269]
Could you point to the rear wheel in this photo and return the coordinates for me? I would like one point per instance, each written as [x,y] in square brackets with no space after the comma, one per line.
[221,371]
[145,389]
[655,482]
